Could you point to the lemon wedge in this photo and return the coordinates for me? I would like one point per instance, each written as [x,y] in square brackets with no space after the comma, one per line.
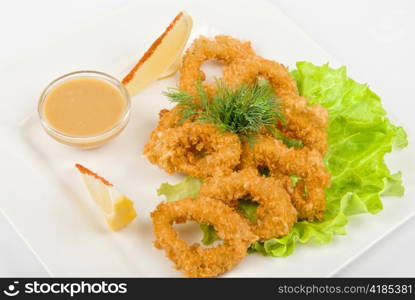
[163,57]
[118,209]
[171,70]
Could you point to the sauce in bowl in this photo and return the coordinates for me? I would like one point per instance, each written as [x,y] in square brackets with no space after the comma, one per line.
[84,109]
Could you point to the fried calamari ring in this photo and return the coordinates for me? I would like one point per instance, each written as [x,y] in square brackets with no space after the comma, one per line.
[307,123]
[275,213]
[221,48]
[282,162]
[194,148]
[248,69]
[193,260]
[302,121]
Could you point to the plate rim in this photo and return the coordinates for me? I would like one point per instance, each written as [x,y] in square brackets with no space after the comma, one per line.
[333,273]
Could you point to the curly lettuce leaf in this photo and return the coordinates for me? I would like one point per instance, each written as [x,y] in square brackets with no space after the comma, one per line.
[210,235]
[393,185]
[248,208]
[189,187]
[359,136]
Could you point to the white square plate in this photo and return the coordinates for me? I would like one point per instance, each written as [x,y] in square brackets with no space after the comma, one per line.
[42,193]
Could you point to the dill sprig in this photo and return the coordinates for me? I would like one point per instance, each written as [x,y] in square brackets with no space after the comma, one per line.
[244,110]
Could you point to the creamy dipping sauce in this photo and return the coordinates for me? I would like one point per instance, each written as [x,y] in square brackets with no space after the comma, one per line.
[83,107]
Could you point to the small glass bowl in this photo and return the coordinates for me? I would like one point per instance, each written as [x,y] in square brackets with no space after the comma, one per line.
[85,142]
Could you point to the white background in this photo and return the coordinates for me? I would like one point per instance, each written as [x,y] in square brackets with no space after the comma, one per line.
[375,39]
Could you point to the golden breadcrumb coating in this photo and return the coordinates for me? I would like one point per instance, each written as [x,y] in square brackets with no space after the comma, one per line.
[248,70]
[305,122]
[168,119]
[193,260]
[275,213]
[194,148]
[221,48]
[283,162]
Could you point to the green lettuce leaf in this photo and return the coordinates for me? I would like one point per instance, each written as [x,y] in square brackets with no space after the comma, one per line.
[393,185]
[294,180]
[210,235]
[248,208]
[189,187]
[359,136]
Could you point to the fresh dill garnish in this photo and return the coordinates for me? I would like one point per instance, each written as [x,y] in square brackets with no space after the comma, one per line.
[189,106]
[244,110]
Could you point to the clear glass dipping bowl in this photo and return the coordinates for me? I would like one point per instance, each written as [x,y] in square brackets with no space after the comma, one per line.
[85,142]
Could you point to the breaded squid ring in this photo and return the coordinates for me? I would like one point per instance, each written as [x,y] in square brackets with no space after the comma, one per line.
[302,121]
[194,148]
[283,162]
[222,48]
[307,123]
[193,260]
[275,213]
[247,70]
